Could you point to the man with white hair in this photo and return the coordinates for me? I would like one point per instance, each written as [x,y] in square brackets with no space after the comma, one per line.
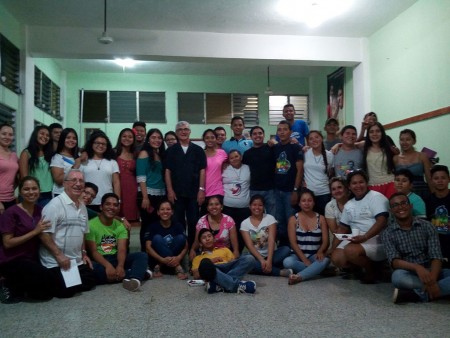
[185,178]
[63,243]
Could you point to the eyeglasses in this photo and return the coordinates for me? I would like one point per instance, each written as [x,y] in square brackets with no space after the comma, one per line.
[100,144]
[90,194]
[401,204]
[183,129]
[75,180]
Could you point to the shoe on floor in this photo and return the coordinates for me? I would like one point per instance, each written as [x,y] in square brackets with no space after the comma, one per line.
[7,296]
[132,284]
[286,272]
[405,296]
[246,287]
[213,287]
[148,274]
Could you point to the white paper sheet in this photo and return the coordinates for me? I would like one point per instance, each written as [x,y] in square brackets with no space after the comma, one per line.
[71,276]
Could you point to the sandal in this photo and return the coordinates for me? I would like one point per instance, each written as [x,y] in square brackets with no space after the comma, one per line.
[294,279]
[181,275]
[157,272]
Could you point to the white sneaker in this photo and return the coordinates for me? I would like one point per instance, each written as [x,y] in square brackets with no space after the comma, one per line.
[132,284]
[148,274]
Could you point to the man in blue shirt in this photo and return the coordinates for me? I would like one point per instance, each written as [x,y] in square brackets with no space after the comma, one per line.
[238,141]
[299,128]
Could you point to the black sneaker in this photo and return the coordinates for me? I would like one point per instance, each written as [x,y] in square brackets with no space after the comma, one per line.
[7,296]
[405,296]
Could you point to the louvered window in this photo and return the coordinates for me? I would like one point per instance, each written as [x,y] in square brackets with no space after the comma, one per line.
[277,102]
[47,94]
[209,108]
[9,65]
[122,106]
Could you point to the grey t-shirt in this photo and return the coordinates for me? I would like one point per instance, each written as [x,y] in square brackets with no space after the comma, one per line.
[346,161]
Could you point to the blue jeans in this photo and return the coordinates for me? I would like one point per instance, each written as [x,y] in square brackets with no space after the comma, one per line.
[229,275]
[277,262]
[165,249]
[284,211]
[269,200]
[405,279]
[303,270]
[136,264]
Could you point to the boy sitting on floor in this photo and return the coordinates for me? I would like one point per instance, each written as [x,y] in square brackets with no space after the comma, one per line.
[220,269]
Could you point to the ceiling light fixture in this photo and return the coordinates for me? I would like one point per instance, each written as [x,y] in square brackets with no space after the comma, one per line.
[269,90]
[126,62]
[105,38]
[313,12]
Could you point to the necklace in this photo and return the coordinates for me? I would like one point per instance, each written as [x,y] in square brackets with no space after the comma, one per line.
[317,159]
[98,165]
[237,172]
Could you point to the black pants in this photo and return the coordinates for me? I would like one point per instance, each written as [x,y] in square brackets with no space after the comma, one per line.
[87,281]
[238,215]
[186,212]
[28,277]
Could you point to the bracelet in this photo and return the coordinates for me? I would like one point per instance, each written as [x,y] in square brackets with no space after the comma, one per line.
[84,252]
[122,219]
[201,189]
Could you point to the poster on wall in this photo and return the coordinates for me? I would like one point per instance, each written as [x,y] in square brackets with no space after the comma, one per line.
[335,104]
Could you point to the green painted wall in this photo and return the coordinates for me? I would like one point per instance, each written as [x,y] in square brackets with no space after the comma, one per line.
[171,85]
[410,72]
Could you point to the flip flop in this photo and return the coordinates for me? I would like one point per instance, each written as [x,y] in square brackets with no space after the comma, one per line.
[181,275]
[294,279]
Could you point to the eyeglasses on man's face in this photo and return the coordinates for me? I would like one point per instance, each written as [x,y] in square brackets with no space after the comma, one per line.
[402,204]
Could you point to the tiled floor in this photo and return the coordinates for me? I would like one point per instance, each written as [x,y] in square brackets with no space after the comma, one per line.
[327,307]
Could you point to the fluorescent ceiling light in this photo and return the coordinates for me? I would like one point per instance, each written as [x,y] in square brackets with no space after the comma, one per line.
[126,63]
[313,12]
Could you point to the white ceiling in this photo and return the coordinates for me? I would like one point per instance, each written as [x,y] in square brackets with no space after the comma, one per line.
[67,30]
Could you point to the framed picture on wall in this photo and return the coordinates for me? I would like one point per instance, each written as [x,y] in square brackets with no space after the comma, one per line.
[88,132]
[335,104]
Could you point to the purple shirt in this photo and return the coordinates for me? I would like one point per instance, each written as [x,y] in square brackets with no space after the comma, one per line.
[17,222]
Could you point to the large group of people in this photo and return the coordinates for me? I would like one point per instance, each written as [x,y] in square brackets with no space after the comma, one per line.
[297,206]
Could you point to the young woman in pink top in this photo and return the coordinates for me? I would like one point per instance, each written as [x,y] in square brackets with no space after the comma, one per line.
[9,167]
[215,157]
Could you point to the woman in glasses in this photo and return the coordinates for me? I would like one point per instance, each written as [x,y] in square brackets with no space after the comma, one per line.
[98,166]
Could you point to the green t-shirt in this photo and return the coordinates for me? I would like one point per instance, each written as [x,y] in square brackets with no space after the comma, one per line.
[43,173]
[106,237]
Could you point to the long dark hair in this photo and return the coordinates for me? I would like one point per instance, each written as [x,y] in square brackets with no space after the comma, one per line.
[62,140]
[109,152]
[34,148]
[119,147]
[148,148]
[385,146]
[322,149]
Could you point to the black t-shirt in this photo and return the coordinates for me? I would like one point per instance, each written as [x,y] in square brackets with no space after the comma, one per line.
[185,168]
[438,212]
[262,167]
[286,157]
